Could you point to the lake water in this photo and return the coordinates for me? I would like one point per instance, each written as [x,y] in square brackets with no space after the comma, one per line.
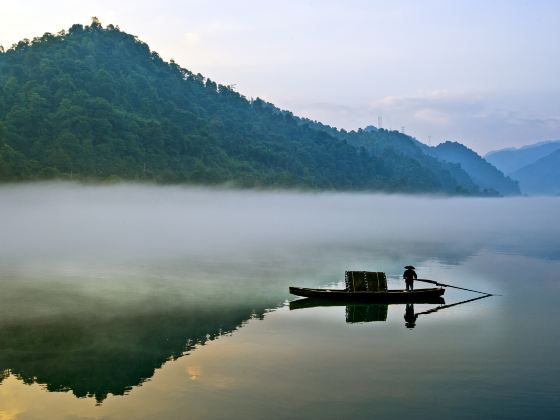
[150,302]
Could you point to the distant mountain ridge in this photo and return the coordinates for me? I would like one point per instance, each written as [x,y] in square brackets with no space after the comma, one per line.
[511,159]
[481,172]
[541,177]
[534,166]
[96,103]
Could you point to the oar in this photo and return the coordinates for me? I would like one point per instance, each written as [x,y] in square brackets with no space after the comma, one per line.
[455,287]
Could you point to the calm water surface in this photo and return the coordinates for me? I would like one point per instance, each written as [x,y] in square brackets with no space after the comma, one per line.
[152,302]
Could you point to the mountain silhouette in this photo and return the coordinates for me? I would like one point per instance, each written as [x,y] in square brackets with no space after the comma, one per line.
[481,172]
[542,176]
[95,103]
[511,160]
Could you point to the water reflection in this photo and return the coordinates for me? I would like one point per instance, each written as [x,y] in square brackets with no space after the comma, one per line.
[358,313]
[361,313]
[100,287]
[366,313]
[96,356]
[409,316]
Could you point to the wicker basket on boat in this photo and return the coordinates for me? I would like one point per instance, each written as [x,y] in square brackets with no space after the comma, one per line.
[361,281]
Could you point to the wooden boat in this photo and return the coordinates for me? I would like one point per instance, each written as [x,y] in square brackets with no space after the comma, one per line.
[432,295]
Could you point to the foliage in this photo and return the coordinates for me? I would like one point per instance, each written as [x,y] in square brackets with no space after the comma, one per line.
[96,103]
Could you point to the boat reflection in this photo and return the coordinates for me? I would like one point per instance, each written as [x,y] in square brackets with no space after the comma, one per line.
[366,313]
[362,313]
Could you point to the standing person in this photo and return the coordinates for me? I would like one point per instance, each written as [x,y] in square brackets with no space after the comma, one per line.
[409,275]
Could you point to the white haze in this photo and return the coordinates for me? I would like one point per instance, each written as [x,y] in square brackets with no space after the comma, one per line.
[136,243]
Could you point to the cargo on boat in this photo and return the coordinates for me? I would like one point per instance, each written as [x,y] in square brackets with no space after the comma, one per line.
[367,286]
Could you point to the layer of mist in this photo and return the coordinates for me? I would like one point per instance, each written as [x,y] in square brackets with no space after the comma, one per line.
[152,236]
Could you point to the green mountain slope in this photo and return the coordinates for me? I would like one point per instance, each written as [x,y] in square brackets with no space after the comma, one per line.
[95,103]
[399,146]
[482,172]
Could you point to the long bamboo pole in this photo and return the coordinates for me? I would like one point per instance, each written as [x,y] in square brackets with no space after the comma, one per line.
[455,287]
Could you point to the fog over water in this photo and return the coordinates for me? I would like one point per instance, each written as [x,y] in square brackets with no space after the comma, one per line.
[149,242]
[72,227]
[135,223]
[183,291]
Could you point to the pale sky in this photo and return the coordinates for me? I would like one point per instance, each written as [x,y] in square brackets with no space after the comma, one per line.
[485,73]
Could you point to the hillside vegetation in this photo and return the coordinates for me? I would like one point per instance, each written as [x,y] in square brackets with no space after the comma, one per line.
[96,103]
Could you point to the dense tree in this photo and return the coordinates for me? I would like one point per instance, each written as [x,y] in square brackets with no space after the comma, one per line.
[95,103]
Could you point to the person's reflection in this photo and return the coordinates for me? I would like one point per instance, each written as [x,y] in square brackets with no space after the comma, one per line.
[409,316]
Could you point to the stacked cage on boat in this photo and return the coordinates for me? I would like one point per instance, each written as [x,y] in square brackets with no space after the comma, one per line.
[365,281]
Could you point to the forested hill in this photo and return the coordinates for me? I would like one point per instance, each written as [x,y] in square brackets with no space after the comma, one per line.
[482,172]
[96,103]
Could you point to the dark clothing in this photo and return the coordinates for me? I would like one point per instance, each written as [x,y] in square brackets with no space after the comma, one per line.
[409,275]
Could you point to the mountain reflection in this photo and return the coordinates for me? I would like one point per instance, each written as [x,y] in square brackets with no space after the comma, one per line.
[95,357]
